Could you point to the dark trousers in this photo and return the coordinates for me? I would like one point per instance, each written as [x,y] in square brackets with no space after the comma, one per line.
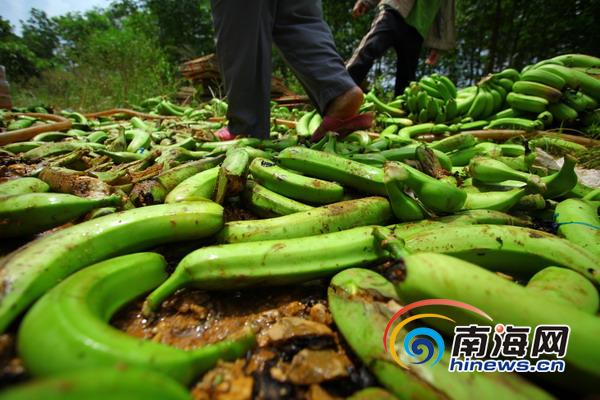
[245,32]
[387,30]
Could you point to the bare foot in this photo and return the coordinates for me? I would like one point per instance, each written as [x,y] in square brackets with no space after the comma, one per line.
[346,105]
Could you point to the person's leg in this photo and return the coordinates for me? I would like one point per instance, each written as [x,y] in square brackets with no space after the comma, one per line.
[306,44]
[243,30]
[373,45]
[408,48]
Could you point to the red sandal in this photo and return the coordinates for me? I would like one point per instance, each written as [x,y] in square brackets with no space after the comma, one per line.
[342,126]
[224,134]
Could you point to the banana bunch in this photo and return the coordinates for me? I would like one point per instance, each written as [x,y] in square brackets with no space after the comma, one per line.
[559,85]
[488,96]
[432,99]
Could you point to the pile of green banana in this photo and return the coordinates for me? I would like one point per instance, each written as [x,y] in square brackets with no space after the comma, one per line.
[82,212]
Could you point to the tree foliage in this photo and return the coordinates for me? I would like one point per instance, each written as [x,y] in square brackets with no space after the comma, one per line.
[133,46]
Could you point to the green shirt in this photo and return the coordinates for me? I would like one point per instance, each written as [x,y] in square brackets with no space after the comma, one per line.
[423,14]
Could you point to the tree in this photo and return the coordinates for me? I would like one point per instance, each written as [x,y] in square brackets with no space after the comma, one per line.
[40,34]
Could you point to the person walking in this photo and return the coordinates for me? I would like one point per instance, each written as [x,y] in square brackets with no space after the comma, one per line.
[405,25]
[245,32]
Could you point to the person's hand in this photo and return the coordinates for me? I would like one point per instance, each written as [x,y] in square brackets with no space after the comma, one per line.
[433,57]
[358,9]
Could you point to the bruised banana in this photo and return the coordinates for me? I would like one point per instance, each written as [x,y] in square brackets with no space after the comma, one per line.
[404,207]
[68,329]
[360,302]
[578,222]
[101,384]
[332,167]
[294,186]
[232,174]
[330,218]
[429,275]
[271,262]
[566,286]
[509,249]
[23,186]
[199,186]
[30,271]
[436,195]
[31,213]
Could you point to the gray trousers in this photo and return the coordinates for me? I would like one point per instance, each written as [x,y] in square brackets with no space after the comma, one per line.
[246,30]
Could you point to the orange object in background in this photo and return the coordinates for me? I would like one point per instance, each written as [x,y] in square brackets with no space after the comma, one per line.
[5,100]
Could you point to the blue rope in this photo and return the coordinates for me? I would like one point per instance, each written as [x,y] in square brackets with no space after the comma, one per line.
[558,224]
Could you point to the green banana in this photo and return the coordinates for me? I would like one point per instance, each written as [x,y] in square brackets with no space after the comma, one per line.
[578,60]
[508,73]
[565,73]
[294,186]
[328,166]
[578,221]
[489,170]
[201,185]
[561,182]
[138,139]
[267,204]
[68,329]
[270,262]
[403,206]
[436,195]
[361,303]
[481,105]
[537,89]
[508,113]
[101,384]
[528,103]
[428,275]
[579,101]
[31,213]
[22,186]
[463,104]
[556,144]
[562,112]
[515,123]
[499,201]
[566,286]
[464,156]
[545,77]
[232,174]
[468,217]
[155,190]
[497,99]
[512,149]
[450,87]
[302,124]
[51,149]
[330,218]
[33,269]
[415,130]
[20,147]
[473,125]
[454,142]
[509,249]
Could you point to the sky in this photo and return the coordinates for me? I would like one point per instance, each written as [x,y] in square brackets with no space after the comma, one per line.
[15,10]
